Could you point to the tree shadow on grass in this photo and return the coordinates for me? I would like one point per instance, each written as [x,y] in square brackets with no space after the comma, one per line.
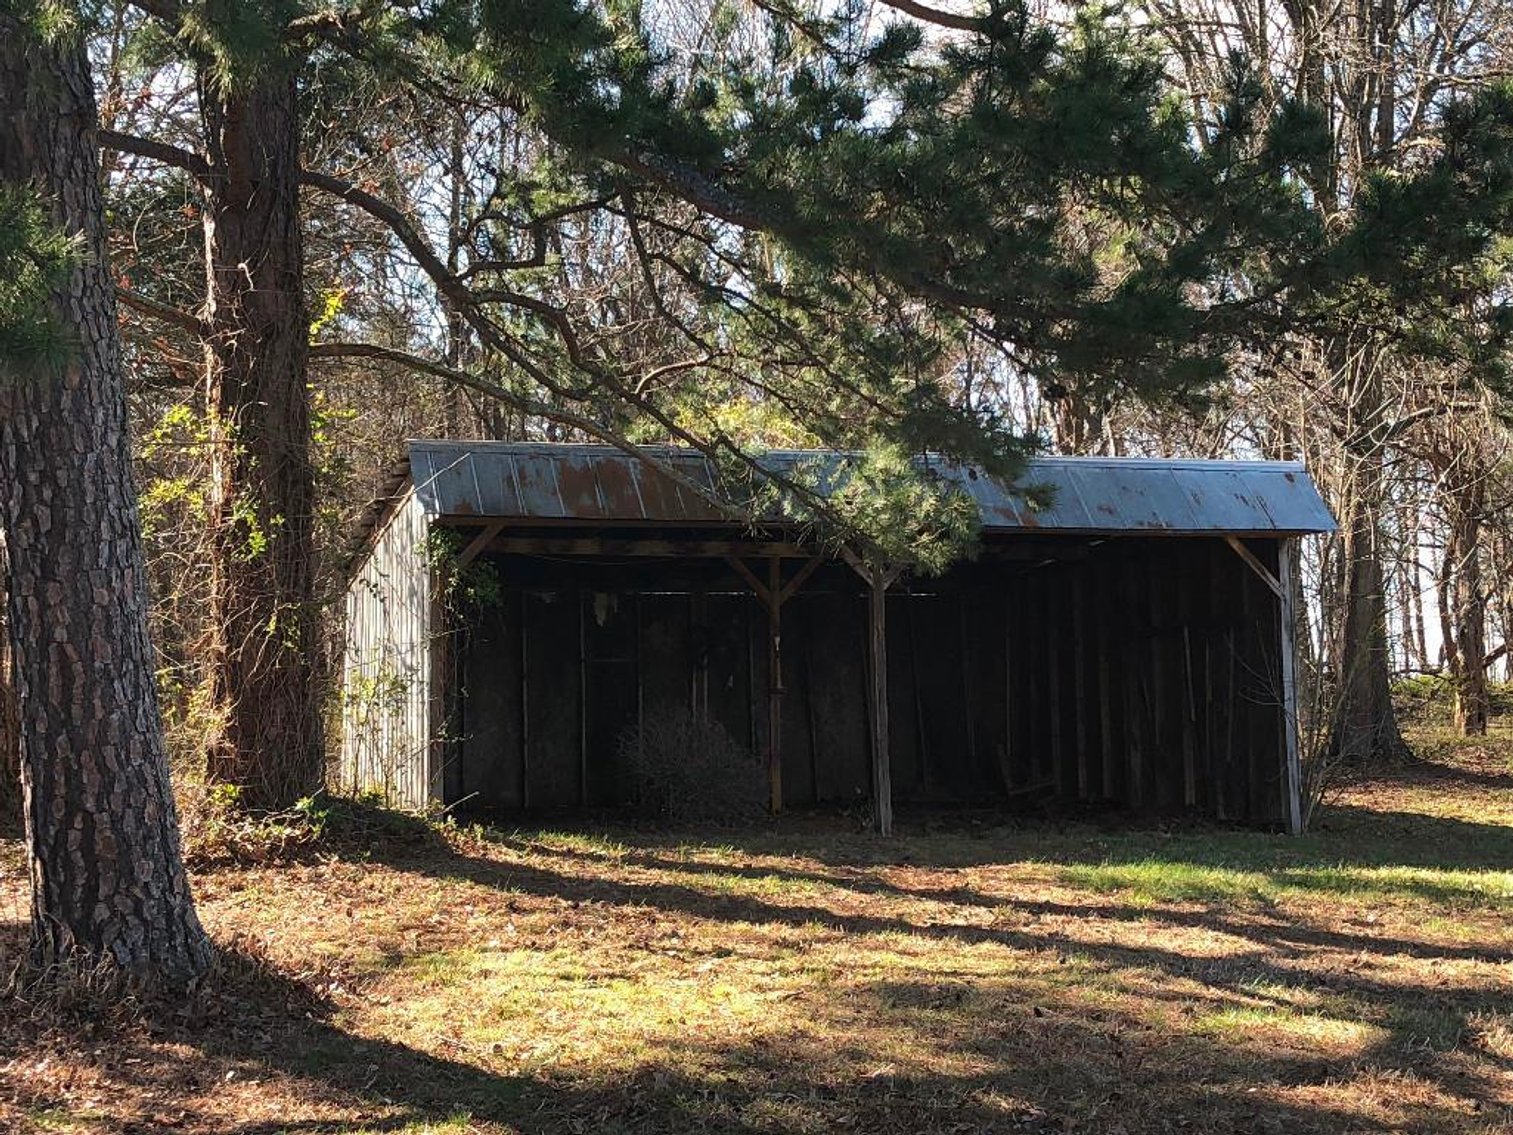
[1343,836]
[852,881]
[1415,1016]
[884,1057]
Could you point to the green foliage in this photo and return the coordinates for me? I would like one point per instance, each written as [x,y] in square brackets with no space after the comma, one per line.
[374,697]
[36,259]
[218,828]
[472,586]
[332,303]
[176,500]
[903,514]
[1427,259]
[1427,698]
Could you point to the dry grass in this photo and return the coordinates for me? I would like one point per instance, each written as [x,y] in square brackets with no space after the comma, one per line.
[804,979]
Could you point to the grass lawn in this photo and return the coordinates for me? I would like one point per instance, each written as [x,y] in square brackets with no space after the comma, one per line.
[807,977]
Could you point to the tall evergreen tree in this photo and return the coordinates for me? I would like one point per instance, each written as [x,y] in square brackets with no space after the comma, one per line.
[264,613]
[107,878]
[262,644]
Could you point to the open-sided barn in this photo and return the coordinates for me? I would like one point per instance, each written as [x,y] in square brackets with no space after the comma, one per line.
[1131,642]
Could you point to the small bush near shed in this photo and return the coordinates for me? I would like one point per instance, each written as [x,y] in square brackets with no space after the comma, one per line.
[684,767]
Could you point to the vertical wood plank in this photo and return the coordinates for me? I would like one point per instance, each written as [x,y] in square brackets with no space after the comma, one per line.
[583,697]
[1134,712]
[882,776]
[1293,778]
[774,604]
[1006,766]
[525,708]
[964,652]
[1105,648]
[1053,642]
[1154,687]
[1078,578]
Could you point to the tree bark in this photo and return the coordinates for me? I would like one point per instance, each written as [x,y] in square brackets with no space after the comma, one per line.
[1364,729]
[263,605]
[1463,605]
[108,882]
[10,733]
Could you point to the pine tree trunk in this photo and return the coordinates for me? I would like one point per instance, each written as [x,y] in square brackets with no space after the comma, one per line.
[107,878]
[1364,729]
[10,733]
[263,607]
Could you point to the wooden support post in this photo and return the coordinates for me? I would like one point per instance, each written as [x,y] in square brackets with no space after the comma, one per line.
[1134,708]
[1189,722]
[1079,678]
[772,594]
[582,700]
[525,706]
[1153,687]
[1006,758]
[775,684]
[478,543]
[1059,770]
[882,777]
[879,578]
[1293,778]
[1255,565]
[1105,606]
[966,679]
[921,731]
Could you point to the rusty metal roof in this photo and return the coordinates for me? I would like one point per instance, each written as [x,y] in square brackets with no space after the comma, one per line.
[593,483]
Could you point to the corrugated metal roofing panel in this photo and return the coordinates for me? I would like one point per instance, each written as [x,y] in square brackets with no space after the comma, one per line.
[1087,494]
[537,478]
[1151,500]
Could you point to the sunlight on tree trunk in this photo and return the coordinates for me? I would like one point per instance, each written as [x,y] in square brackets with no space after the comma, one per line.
[108,883]
[264,614]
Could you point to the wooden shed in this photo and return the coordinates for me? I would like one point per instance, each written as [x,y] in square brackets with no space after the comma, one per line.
[1129,644]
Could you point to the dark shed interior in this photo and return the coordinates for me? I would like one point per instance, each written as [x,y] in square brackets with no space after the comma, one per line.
[1130,670]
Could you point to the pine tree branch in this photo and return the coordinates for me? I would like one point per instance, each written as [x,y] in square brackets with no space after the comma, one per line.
[162,152]
[401,226]
[937,17]
[530,406]
[164,313]
[470,306]
[166,10]
[467,301]
[703,193]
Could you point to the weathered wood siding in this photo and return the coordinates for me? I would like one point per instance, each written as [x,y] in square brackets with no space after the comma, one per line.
[386,675]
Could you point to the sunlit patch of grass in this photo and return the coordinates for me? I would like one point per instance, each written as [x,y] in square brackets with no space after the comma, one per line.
[1152,881]
[1453,929]
[1493,1033]
[459,1124]
[588,843]
[1155,881]
[1271,1024]
[534,1009]
[59,1119]
[1440,887]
